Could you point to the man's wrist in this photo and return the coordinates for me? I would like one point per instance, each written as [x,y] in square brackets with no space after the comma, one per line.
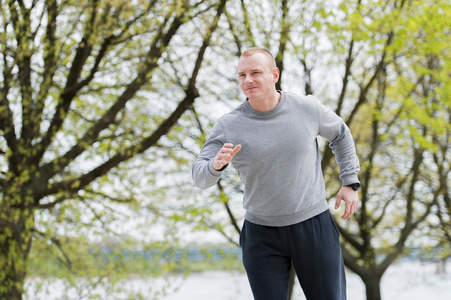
[221,169]
[354,186]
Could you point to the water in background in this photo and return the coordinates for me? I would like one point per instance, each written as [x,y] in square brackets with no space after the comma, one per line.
[403,281]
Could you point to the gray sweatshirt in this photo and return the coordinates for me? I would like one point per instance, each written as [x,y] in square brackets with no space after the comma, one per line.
[279,162]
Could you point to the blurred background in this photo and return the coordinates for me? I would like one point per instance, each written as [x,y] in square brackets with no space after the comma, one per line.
[104,105]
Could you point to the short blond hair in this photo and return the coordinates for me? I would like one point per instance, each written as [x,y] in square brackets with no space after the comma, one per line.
[254,50]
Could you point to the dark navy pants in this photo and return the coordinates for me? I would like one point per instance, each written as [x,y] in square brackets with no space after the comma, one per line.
[312,245]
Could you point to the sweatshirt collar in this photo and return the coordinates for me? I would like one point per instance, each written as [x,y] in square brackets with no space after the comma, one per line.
[269,113]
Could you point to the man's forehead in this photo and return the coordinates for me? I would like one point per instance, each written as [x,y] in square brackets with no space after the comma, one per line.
[257,61]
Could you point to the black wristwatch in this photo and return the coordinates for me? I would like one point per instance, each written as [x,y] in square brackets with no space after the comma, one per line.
[354,186]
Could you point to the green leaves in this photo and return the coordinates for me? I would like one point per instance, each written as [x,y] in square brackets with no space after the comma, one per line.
[78,103]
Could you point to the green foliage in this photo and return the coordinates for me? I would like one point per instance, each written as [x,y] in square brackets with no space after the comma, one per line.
[82,98]
[106,266]
[153,261]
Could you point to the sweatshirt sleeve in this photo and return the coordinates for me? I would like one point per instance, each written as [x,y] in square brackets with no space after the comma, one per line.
[203,173]
[334,129]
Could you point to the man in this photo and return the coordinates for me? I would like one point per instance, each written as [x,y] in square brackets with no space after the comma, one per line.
[271,141]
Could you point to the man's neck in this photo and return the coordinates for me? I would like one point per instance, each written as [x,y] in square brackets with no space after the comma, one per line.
[266,104]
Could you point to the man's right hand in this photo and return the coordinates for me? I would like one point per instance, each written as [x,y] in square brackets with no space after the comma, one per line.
[225,155]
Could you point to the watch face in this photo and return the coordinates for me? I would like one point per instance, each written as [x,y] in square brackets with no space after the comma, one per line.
[354,186]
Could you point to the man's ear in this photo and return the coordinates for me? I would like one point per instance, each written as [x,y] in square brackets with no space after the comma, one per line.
[276,74]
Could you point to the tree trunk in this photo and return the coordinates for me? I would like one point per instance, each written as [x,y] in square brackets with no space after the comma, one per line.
[441,266]
[373,287]
[15,242]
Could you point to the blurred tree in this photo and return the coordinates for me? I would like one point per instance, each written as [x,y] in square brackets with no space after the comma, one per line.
[78,101]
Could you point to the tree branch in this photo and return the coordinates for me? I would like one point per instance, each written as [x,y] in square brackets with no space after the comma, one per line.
[191,94]
[142,78]
[247,24]
[349,238]
[284,36]
[352,263]
[66,259]
[365,89]
[72,83]
[345,81]
[229,211]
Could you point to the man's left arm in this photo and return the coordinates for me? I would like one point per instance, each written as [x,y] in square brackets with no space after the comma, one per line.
[333,128]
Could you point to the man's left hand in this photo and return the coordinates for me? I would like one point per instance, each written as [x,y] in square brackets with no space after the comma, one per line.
[351,199]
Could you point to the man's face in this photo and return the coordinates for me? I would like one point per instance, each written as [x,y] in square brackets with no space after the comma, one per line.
[256,76]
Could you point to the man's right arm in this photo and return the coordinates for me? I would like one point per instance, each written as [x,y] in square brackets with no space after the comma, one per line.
[203,172]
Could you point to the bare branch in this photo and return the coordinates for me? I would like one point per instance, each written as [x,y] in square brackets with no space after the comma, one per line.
[191,94]
[156,50]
